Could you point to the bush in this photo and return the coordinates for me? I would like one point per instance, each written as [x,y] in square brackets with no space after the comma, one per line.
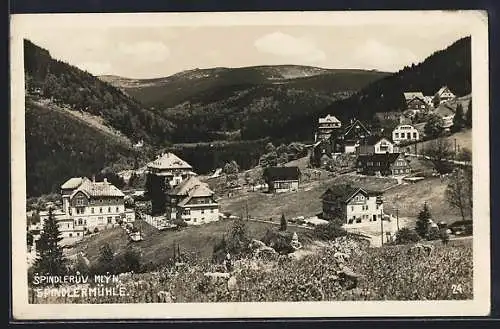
[444,236]
[96,230]
[180,223]
[104,263]
[130,260]
[236,242]
[433,234]
[81,266]
[329,231]
[406,235]
[279,241]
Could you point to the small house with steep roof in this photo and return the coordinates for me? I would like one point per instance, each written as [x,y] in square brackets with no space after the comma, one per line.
[444,94]
[351,205]
[282,179]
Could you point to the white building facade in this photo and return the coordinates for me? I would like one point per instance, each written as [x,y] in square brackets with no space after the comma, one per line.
[352,205]
[405,133]
[363,207]
[192,201]
[88,205]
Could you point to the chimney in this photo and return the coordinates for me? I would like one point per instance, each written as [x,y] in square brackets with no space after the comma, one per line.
[105,180]
[93,178]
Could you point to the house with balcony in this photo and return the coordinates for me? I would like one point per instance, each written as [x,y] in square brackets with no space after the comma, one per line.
[351,205]
[171,168]
[192,201]
[447,113]
[327,127]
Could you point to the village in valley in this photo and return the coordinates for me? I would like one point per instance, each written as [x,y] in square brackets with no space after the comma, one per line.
[348,202]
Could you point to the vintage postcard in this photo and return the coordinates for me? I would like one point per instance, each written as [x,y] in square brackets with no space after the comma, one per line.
[240,165]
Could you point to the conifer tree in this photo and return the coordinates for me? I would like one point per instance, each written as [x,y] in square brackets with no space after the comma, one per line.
[50,258]
[458,119]
[468,116]
[422,224]
[283,223]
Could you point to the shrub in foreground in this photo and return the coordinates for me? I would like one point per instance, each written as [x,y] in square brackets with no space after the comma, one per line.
[406,235]
[329,231]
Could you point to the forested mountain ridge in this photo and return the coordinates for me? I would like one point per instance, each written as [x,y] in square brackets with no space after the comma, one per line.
[177,88]
[67,85]
[77,125]
[242,103]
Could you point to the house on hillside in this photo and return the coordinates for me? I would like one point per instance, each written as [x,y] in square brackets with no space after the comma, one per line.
[326,127]
[415,102]
[389,119]
[172,168]
[353,134]
[94,204]
[375,145]
[389,164]
[193,201]
[405,133]
[351,205]
[430,101]
[443,95]
[447,113]
[88,205]
[282,179]
[64,221]
[323,151]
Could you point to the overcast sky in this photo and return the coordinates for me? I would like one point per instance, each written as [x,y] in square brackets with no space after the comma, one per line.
[157,51]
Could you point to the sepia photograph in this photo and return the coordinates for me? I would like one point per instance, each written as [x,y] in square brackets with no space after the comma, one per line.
[232,165]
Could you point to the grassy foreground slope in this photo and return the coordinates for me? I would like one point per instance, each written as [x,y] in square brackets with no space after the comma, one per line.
[157,246]
[388,273]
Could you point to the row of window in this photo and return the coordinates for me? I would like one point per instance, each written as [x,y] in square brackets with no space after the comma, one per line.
[402,171]
[81,201]
[365,207]
[408,135]
[81,210]
[188,211]
[282,185]
[355,219]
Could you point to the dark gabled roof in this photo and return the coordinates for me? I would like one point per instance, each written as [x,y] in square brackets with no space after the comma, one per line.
[415,99]
[346,191]
[374,139]
[281,173]
[382,158]
[350,126]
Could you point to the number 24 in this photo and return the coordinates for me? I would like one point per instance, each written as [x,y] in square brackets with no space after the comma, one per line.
[456,289]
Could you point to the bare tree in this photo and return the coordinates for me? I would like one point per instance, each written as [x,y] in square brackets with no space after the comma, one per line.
[459,191]
[440,151]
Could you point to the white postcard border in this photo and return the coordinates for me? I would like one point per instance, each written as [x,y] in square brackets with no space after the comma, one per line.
[479,306]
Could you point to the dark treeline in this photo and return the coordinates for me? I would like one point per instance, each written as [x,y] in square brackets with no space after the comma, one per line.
[205,158]
[255,112]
